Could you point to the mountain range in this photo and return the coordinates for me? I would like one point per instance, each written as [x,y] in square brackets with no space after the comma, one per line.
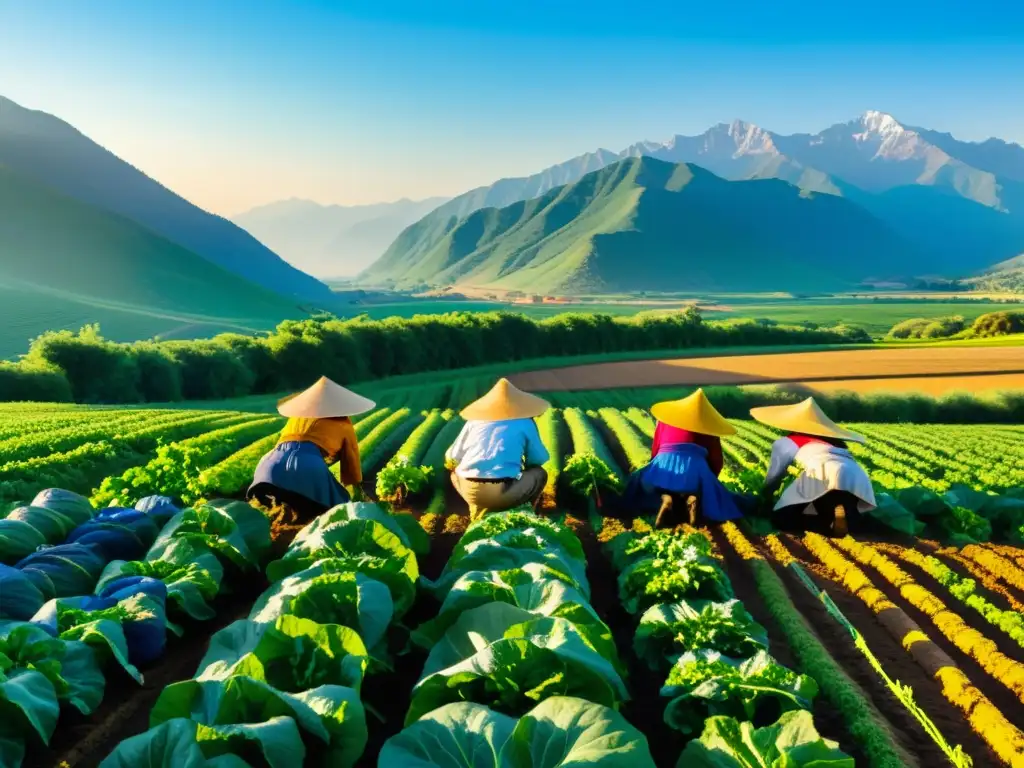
[332,240]
[85,237]
[954,218]
[44,149]
[642,224]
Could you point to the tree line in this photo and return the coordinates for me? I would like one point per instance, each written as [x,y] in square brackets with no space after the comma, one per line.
[84,367]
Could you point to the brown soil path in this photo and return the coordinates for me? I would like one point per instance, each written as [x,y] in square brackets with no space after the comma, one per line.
[920,368]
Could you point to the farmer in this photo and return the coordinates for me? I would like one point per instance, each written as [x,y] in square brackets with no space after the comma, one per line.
[497,456]
[318,433]
[831,485]
[686,459]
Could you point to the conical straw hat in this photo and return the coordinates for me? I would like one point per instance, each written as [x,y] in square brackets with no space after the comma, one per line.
[324,400]
[804,417]
[694,413]
[505,401]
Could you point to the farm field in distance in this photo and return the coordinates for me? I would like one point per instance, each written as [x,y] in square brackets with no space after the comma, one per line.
[929,369]
[957,580]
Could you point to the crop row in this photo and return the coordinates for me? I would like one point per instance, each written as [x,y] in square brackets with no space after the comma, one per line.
[107,596]
[725,694]
[283,686]
[521,671]
[1004,738]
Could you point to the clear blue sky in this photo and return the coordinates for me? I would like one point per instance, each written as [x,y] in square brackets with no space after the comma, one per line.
[234,104]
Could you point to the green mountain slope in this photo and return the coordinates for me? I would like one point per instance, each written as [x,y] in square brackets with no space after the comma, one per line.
[645,224]
[50,152]
[63,263]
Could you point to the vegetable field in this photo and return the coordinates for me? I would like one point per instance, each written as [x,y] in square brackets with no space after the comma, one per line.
[149,617]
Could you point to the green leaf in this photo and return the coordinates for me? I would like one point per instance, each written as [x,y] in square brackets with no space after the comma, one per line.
[534,587]
[207,528]
[18,539]
[565,731]
[542,658]
[668,629]
[349,599]
[349,538]
[460,735]
[705,683]
[184,743]
[496,523]
[792,742]
[107,638]
[331,714]
[509,551]
[293,654]
[28,703]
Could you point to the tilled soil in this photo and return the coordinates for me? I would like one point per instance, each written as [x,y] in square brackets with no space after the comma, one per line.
[837,369]
[898,664]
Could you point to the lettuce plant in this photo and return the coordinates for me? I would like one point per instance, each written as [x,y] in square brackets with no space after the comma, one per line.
[706,683]
[560,731]
[792,742]
[668,629]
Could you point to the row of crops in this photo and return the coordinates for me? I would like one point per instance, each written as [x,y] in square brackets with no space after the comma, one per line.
[961,483]
[87,593]
[563,669]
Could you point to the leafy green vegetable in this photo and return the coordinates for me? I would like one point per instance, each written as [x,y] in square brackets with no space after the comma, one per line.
[20,598]
[668,629]
[206,528]
[560,731]
[292,654]
[71,667]
[685,571]
[28,705]
[792,742]
[350,599]
[705,683]
[18,539]
[534,660]
[190,586]
[400,478]
[332,715]
[585,475]
[52,524]
[184,743]
[495,523]
[416,540]
[534,587]
[72,505]
[509,550]
[349,538]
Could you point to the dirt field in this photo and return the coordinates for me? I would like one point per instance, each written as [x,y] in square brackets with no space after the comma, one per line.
[930,370]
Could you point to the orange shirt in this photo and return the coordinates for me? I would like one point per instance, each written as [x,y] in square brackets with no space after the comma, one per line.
[336,439]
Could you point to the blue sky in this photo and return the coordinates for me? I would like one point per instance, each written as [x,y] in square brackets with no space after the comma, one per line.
[234,104]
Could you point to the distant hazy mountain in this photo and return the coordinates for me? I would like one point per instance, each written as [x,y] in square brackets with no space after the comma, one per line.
[64,263]
[960,203]
[646,224]
[332,240]
[47,150]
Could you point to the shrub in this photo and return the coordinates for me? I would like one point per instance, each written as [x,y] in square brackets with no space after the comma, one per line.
[998,324]
[19,381]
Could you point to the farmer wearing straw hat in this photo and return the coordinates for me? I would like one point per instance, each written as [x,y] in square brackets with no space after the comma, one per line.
[318,433]
[686,459]
[499,453]
[831,485]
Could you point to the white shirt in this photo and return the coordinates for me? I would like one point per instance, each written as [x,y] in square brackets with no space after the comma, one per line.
[824,468]
[495,450]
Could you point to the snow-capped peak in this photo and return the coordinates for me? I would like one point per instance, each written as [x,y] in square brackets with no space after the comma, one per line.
[750,139]
[881,123]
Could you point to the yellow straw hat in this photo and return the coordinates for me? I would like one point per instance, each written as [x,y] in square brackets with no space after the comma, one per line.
[804,417]
[324,400]
[694,413]
[505,401]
